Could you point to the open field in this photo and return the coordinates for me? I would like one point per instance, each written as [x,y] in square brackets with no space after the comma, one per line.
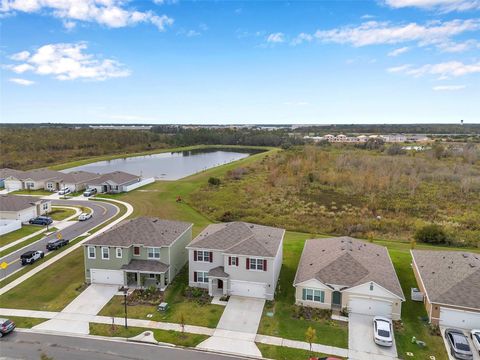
[25,230]
[26,242]
[59,213]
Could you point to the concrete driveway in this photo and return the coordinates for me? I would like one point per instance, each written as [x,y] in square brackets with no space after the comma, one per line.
[360,340]
[476,355]
[237,328]
[75,317]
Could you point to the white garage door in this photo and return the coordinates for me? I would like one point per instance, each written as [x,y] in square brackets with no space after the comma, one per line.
[250,289]
[459,318]
[27,214]
[370,307]
[102,276]
[12,185]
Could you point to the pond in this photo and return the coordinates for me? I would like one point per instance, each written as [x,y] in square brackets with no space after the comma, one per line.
[169,165]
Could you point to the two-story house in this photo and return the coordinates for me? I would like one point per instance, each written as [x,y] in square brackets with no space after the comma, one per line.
[138,253]
[237,258]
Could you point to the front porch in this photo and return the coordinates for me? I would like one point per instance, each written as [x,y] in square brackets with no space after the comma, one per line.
[218,282]
[141,274]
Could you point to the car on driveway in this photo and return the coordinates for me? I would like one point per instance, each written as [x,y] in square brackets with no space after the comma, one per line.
[31,256]
[55,244]
[6,326]
[41,220]
[475,335]
[84,216]
[458,343]
[382,331]
[64,191]
[89,192]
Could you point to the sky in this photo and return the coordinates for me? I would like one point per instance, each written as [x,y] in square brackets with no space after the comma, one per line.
[240,62]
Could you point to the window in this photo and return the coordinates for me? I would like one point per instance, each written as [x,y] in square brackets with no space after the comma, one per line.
[105,253]
[30,184]
[256,264]
[233,261]
[153,253]
[91,252]
[151,276]
[201,277]
[313,295]
[50,185]
[119,253]
[203,256]
[136,250]
[45,206]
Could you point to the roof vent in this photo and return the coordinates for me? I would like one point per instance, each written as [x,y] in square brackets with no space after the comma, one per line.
[465,255]
[433,272]
[471,265]
[251,226]
[311,264]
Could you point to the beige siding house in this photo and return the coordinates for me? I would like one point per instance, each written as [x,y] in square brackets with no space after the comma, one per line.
[23,208]
[237,258]
[348,274]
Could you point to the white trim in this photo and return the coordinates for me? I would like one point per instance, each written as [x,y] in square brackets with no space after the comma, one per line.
[205,277]
[116,252]
[139,250]
[203,256]
[108,253]
[94,252]
[325,286]
[256,263]
[154,251]
[368,283]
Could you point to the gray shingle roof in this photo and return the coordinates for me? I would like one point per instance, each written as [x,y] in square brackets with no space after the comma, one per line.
[142,231]
[450,277]
[76,177]
[218,271]
[116,177]
[347,262]
[240,238]
[6,172]
[146,265]
[40,174]
[17,203]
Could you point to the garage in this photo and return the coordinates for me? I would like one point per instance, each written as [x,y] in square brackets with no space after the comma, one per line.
[459,318]
[13,185]
[103,276]
[369,306]
[246,288]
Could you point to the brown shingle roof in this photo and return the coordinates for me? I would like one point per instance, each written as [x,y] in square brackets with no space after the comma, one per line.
[240,238]
[17,203]
[347,262]
[146,265]
[450,277]
[116,177]
[142,231]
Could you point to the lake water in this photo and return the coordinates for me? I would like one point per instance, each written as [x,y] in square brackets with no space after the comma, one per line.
[167,166]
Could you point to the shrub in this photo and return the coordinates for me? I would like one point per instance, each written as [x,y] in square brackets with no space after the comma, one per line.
[396,149]
[432,234]
[214,181]
[227,217]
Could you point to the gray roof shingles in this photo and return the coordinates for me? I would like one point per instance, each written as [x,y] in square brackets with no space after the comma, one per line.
[218,272]
[146,265]
[347,262]
[17,203]
[116,177]
[450,277]
[240,238]
[142,231]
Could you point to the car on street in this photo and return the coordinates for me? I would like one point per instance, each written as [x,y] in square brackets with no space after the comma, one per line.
[55,244]
[475,335]
[41,220]
[31,256]
[6,326]
[64,191]
[458,343]
[382,331]
[84,216]
[89,192]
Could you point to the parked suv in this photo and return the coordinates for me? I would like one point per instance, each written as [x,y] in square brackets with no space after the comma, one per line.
[64,191]
[41,220]
[89,192]
[31,256]
[6,326]
[55,244]
[459,346]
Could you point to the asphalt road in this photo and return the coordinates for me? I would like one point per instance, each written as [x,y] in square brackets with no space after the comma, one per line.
[102,211]
[30,346]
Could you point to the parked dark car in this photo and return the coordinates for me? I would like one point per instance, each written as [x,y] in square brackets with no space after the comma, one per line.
[6,326]
[41,220]
[31,256]
[57,243]
[458,342]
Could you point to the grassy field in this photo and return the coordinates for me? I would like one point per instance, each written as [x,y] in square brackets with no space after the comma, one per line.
[59,213]
[27,242]
[25,230]
[171,337]
[26,323]
[39,192]
[284,353]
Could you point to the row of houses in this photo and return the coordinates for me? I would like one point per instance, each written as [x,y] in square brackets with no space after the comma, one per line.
[50,180]
[389,138]
[245,259]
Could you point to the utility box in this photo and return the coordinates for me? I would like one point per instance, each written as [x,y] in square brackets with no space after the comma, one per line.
[416,295]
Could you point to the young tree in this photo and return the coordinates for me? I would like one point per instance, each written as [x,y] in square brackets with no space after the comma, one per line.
[311,336]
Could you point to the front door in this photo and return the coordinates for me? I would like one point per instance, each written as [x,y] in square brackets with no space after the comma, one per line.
[336,298]
[220,284]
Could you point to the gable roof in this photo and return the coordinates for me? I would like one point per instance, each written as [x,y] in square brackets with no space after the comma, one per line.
[142,231]
[39,174]
[76,177]
[347,262]
[17,203]
[240,238]
[7,172]
[116,177]
[450,277]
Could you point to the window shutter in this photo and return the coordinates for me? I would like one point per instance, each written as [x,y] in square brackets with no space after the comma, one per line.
[211,256]
[229,260]
[264,264]
[195,275]
[304,294]
[236,261]
[248,264]
[195,258]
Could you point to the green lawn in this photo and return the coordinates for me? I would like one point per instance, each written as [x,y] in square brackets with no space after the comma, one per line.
[171,337]
[27,242]
[59,213]
[25,322]
[284,353]
[194,314]
[25,230]
[39,192]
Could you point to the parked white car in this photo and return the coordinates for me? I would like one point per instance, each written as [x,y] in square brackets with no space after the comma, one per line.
[475,335]
[84,216]
[64,191]
[382,331]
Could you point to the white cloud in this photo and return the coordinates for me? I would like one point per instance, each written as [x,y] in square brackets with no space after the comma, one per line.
[449,87]
[20,56]
[398,51]
[367,16]
[69,25]
[374,33]
[276,37]
[443,70]
[23,82]
[111,13]
[456,47]
[70,62]
[441,5]
[192,33]
[301,38]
